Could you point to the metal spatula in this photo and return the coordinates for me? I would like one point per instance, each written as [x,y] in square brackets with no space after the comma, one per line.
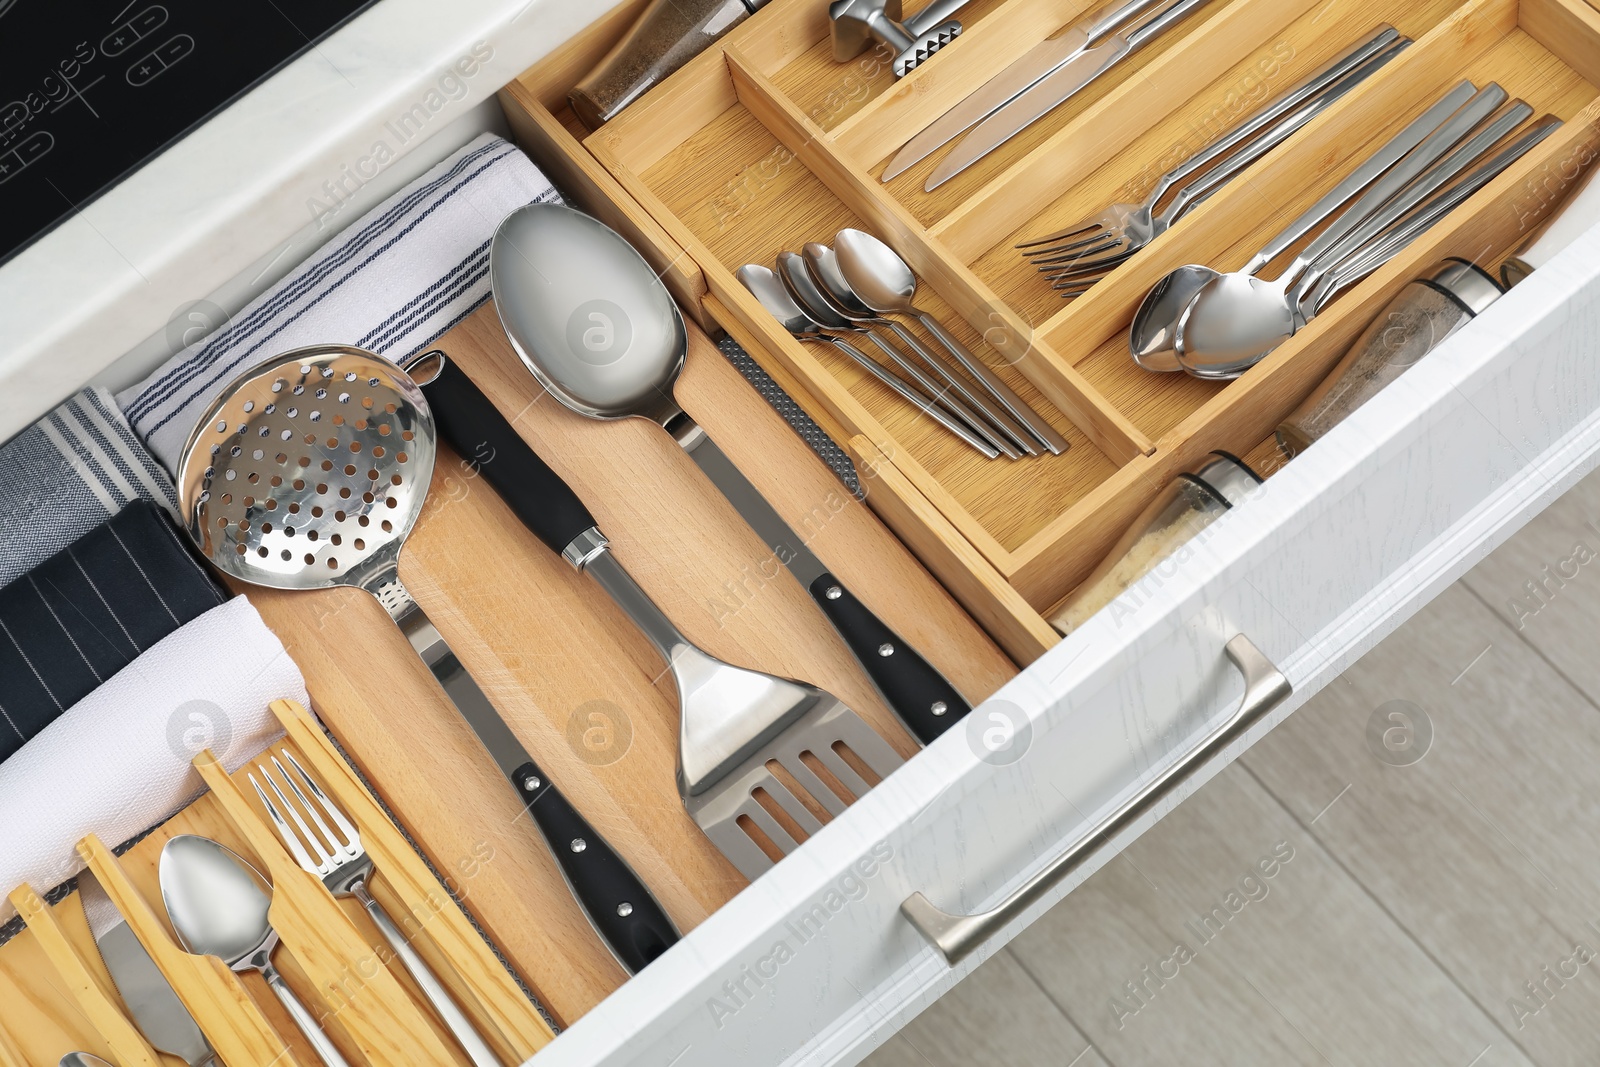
[307,473]
[593,323]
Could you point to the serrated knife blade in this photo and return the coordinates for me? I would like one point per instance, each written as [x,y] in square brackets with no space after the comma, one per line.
[150,999]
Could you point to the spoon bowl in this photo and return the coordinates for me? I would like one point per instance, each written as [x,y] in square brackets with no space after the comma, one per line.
[605,357]
[1235,319]
[217,902]
[219,905]
[1153,337]
[823,263]
[82,1059]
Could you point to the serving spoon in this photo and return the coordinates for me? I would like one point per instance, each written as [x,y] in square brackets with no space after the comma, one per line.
[886,284]
[218,904]
[591,320]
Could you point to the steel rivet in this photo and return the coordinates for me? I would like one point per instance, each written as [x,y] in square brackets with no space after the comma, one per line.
[886,649]
[579,844]
[939,707]
[833,592]
[531,783]
[624,909]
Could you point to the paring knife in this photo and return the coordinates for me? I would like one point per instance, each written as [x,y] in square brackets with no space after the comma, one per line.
[1041,60]
[155,1008]
[1053,90]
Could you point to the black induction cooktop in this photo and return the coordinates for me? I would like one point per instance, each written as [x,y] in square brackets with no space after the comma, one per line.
[92,89]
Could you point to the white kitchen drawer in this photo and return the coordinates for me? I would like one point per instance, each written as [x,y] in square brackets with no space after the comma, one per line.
[815,963]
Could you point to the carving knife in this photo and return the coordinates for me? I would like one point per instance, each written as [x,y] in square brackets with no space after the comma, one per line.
[155,1008]
[1053,90]
[1040,61]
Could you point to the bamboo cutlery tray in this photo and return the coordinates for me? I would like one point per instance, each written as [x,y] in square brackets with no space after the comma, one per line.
[330,953]
[764,142]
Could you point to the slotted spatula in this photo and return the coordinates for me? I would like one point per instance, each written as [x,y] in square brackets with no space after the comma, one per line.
[733,721]
[307,473]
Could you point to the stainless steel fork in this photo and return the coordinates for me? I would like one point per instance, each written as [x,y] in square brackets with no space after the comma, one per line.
[344,867]
[1080,254]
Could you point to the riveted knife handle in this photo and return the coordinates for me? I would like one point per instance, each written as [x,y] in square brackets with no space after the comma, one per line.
[622,910]
[919,695]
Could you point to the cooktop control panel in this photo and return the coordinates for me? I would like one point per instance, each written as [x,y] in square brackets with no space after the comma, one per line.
[92,89]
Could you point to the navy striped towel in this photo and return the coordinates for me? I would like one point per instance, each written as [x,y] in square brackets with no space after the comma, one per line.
[393,282]
[68,473]
[88,611]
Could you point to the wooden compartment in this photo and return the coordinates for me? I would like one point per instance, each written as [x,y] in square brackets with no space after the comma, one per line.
[764,142]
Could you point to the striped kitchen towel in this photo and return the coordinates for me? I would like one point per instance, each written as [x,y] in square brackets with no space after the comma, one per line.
[90,610]
[393,282]
[68,473]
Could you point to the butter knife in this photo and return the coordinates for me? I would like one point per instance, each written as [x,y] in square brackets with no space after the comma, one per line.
[155,1008]
[1053,90]
[1038,62]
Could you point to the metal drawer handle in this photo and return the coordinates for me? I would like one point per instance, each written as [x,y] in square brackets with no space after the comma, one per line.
[956,936]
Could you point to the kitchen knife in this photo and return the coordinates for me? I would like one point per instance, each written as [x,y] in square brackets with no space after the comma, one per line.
[1053,90]
[1040,61]
[155,1008]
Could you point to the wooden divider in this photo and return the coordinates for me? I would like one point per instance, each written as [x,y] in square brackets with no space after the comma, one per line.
[360,1000]
[455,951]
[213,994]
[90,991]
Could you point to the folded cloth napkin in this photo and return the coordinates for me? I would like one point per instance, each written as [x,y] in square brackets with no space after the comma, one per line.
[85,613]
[117,763]
[391,283]
[68,473]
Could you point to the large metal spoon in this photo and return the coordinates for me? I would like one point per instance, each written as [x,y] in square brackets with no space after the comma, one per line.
[821,268]
[82,1059]
[887,285]
[1152,338]
[594,324]
[765,285]
[218,905]
[796,278]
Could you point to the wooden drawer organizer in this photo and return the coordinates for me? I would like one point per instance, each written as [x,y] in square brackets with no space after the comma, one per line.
[331,953]
[764,142]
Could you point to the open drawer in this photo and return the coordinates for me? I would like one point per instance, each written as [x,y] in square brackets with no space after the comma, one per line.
[764,143]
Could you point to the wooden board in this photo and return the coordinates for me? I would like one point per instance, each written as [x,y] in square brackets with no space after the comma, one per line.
[558,658]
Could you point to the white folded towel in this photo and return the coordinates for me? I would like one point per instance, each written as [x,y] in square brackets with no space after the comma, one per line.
[392,283]
[117,762]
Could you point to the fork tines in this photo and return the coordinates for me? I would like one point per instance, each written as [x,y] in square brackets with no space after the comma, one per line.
[331,851]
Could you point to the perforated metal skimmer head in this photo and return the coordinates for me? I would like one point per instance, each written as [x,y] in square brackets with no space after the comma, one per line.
[308,471]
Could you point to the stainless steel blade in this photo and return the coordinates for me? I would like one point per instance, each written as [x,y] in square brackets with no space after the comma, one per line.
[1050,92]
[156,1009]
[1037,63]
[787,545]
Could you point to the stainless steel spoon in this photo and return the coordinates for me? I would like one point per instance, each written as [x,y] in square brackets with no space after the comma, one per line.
[766,287]
[805,292]
[1152,338]
[218,905]
[887,285]
[83,1059]
[821,266]
[1237,318]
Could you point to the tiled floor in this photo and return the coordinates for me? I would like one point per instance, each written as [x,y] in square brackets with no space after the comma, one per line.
[1407,871]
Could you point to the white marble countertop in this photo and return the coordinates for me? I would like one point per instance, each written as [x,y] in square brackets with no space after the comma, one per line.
[247,189]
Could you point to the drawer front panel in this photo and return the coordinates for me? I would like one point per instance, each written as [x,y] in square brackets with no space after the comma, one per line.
[815,964]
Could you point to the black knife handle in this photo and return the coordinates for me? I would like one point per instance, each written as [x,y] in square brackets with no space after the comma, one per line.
[475,428]
[627,917]
[925,702]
